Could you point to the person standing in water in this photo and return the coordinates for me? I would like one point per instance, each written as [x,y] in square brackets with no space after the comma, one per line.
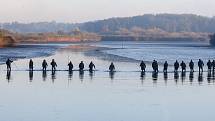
[44,65]
[155,66]
[54,65]
[81,66]
[31,65]
[176,66]
[70,66]
[91,66]
[209,64]
[213,65]
[191,65]
[183,66]
[165,67]
[201,65]
[143,66]
[8,63]
[112,67]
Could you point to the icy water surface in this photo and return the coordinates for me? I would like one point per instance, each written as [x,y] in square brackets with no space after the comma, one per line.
[126,95]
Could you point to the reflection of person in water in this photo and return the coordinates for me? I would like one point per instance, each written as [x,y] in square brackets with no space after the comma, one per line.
[176,76]
[31,74]
[53,76]
[8,77]
[191,77]
[154,77]
[81,75]
[183,76]
[111,75]
[200,78]
[209,77]
[44,75]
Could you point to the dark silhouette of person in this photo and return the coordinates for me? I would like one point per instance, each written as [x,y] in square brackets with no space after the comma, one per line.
[8,63]
[165,67]
[201,65]
[143,66]
[44,65]
[191,65]
[112,67]
[31,65]
[70,66]
[54,65]
[91,66]
[81,66]
[213,65]
[155,66]
[183,66]
[176,66]
[209,64]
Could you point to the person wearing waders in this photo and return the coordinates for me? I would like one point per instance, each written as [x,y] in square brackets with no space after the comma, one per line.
[81,66]
[91,66]
[209,64]
[44,65]
[176,66]
[200,64]
[8,63]
[112,67]
[183,67]
[191,65]
[70,66]
[54,65]
[31,65]
[165,67]
[143,66]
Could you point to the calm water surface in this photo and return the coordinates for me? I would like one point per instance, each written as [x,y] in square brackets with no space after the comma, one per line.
[127,95]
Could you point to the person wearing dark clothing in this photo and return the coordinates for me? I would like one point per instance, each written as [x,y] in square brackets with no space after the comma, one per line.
[209,64]
[54,65]
[31,65]
[183,66]
[44,65]
[81,66]
[143,66]
[91,66]
[200,64]
[213,65]
[8,63]
[165,67]
[70,66]
[191,65]
[155,66]
[176,66]
[111,67]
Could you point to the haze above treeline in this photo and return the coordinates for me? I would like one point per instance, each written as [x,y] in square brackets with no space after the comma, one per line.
[164,22]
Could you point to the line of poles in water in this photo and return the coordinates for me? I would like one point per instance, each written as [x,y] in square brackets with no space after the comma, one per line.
[92,67]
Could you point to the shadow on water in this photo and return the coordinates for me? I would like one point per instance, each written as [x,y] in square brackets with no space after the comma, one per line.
[44,75]
[8,76]
[31,76]
[53,76]
[209,77]
[81,75]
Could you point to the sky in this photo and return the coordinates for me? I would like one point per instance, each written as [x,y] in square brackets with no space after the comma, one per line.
[76,11]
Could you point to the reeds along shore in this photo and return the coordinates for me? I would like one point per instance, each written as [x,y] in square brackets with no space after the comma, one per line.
[91,67]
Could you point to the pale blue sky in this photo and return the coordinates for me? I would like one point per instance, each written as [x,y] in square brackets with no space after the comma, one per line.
[87,10]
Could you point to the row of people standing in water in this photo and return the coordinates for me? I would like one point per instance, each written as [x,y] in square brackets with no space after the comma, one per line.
[177,65]
[155,66]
